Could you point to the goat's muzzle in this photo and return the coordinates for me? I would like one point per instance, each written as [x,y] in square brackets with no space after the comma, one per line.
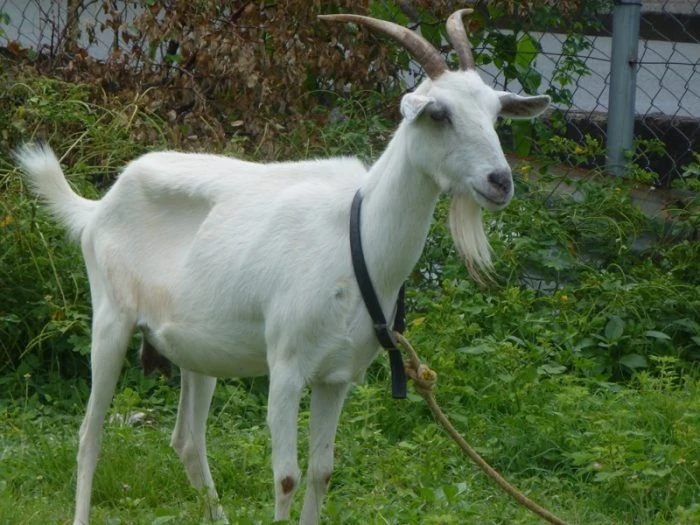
[498,190]
[502,182]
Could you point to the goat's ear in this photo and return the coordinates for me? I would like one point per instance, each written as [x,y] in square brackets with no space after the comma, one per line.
[516,106]
[413,105]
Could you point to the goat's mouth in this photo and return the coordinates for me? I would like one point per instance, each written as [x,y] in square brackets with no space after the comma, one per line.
[490,201]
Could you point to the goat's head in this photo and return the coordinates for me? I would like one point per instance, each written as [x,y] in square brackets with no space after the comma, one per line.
[450,117]
[449,128]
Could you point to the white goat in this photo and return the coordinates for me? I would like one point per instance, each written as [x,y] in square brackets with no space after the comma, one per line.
[237,269]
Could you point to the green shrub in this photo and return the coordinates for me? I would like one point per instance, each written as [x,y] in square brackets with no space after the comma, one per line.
[45,310]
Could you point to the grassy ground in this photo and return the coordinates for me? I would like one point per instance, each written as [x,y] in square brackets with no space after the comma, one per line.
[593,454]
[575,374]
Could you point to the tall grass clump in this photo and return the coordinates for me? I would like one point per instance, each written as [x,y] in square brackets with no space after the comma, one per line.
[44,311]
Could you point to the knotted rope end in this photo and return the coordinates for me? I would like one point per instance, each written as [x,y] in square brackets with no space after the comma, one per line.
[424,378]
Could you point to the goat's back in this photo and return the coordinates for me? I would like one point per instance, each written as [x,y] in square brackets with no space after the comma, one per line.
[211,238]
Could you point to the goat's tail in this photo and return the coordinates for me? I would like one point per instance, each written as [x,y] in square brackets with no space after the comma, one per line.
[46,178]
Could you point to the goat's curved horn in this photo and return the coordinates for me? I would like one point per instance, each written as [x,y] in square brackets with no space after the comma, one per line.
[422,50]
[457,35]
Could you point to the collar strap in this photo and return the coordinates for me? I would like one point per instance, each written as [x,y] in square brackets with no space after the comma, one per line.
[381,329]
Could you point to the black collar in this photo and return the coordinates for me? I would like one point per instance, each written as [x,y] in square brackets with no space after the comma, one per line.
[381,329]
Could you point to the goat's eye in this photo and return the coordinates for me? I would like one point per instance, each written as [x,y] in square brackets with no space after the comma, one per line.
[439,114]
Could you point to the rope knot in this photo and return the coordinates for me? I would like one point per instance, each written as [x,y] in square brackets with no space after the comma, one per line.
[424,378]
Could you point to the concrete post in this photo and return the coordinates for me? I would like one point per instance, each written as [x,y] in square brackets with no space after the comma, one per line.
[623,82]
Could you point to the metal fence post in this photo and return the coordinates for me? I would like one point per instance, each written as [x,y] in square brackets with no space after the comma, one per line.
[623,81]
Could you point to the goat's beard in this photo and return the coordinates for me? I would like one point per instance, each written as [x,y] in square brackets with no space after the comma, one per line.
[468,234]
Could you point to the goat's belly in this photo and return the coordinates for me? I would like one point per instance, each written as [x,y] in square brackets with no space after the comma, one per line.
[191,348]
[242,362]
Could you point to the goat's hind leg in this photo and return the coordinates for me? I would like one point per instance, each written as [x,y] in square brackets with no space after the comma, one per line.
[111,331]
[189,438]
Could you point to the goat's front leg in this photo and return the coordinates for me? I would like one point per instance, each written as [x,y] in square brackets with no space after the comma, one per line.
[188,437]
[282,410]
[326,404]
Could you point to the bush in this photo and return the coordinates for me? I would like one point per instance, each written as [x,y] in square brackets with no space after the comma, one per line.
[45,312]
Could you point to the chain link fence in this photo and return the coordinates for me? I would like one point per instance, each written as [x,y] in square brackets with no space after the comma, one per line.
[668,82]
[667,94]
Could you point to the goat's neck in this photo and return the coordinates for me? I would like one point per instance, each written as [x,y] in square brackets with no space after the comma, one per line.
[397,211]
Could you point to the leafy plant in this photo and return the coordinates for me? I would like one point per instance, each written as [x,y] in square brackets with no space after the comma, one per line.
[4,20]
[589,151]
[691,175]
[45,314]
[638,159]
[506,38]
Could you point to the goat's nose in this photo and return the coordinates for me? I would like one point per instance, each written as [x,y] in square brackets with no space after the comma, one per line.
[501,180]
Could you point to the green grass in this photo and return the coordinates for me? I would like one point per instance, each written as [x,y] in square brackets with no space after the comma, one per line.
[576,375]
[592,453]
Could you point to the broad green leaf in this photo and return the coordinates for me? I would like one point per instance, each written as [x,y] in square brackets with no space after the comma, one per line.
[687,325]
[586,342]
[605,476]
[527,50]
[657,472]
[634,361]
[476,350]
[506,378]
[657,335]
[614,328]
[551,369]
